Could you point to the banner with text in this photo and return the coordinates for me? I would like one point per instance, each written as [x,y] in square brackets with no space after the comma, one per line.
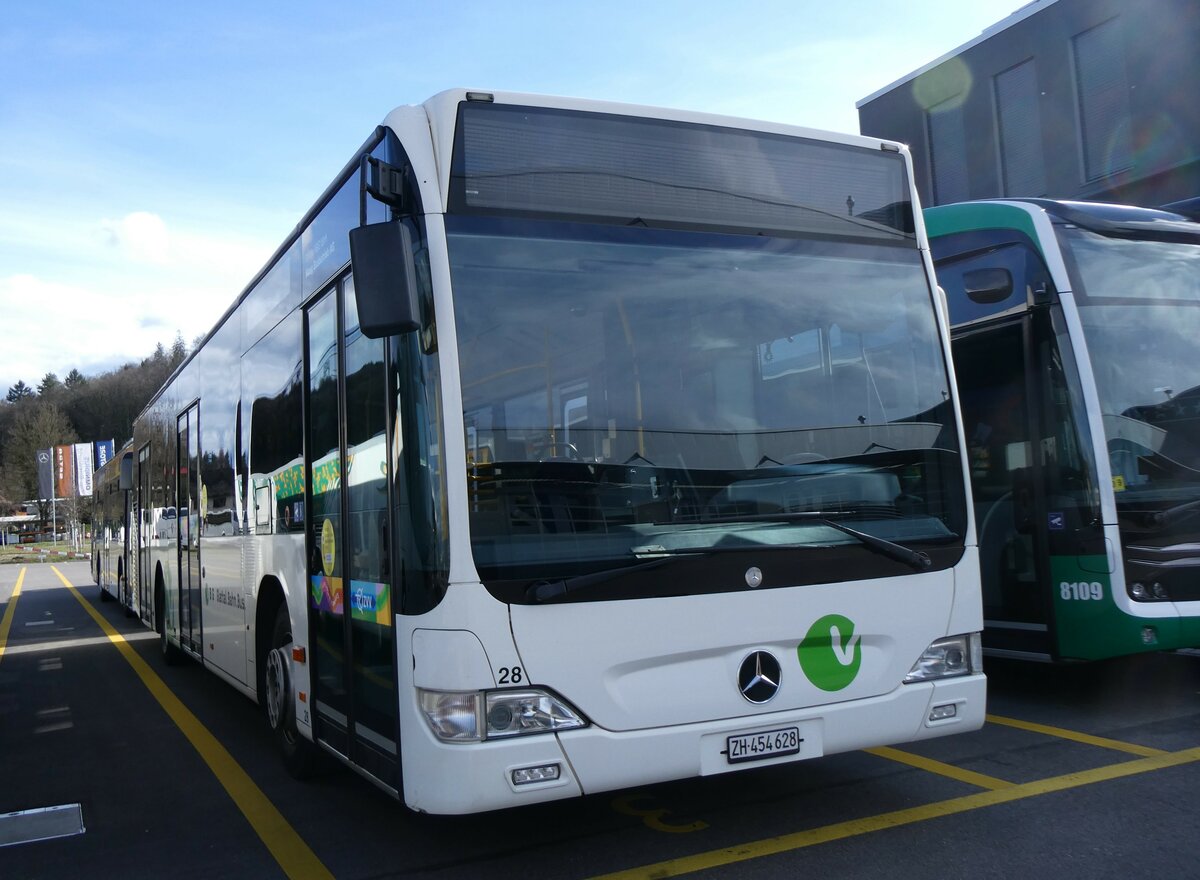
[104,452]
[83,469]
[64,471]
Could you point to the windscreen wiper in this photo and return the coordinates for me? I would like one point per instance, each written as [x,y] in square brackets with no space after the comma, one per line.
[1159,518]
[899,552]
[654,555]
[548,591]
[1165,517]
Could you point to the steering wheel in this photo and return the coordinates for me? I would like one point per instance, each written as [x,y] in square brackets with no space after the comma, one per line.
[550,449]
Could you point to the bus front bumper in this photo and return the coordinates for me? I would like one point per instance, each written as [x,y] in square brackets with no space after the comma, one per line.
[468,778]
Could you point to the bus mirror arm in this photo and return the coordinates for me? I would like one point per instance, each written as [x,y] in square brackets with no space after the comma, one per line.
[385,279]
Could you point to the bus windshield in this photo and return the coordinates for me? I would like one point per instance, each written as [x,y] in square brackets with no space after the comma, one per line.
[1139,304]
[633,393]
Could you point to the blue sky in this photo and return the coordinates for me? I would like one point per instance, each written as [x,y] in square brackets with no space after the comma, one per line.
[154,154]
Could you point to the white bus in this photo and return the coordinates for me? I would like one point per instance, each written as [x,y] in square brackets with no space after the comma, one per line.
[1075,341]
[113,541]
[627,452]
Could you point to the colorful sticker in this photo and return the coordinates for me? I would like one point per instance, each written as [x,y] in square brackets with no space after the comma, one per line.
[328,547]
[371,602]
[1118,484]
[327,594]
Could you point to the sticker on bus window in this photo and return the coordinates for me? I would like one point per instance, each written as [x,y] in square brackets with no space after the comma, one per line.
[328,547]
[1118,484]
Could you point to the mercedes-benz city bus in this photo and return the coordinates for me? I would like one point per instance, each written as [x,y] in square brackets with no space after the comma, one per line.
[569,446]
[1075,348]
[113,540]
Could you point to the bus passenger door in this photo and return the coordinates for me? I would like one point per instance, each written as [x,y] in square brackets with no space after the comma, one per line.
[350,584]
[187,511]
[999,422]
[143,522]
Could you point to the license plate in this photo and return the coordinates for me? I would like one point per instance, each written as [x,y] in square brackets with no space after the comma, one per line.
[768,744]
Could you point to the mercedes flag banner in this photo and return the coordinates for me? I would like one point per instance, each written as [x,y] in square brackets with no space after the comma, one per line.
[45,468]
[69,470]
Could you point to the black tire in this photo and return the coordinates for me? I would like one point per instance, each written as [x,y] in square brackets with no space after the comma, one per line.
[299,754]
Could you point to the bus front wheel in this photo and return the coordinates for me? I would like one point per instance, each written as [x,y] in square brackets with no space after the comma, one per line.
[298,753]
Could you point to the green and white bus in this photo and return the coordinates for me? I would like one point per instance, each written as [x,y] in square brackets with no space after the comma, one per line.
[1075,331]
[570,446]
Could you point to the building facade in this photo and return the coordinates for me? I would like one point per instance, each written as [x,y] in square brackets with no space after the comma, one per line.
[1068,99]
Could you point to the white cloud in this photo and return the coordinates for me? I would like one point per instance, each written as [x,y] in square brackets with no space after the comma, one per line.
[140,236]
[106,313]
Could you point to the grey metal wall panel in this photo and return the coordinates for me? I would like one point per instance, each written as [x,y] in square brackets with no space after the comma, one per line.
[948,151]
[1103,92]
[1018,117]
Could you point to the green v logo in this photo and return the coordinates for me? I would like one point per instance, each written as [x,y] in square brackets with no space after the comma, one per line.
[831,653]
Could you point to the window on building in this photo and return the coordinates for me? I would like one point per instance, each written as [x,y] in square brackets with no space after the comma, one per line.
[1019,124]
[948,151]
[1103,93]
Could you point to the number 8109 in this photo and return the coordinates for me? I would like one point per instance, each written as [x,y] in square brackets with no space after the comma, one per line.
[1082,591]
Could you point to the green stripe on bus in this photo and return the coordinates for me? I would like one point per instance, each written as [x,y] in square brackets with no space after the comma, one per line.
[950,219]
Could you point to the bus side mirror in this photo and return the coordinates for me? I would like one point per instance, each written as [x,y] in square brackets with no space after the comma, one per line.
[125,478]
[385,279]
[987,286]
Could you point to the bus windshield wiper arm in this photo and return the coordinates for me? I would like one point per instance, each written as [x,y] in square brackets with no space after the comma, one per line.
[653,555]
[899,552]
[548,591]
[1164,517]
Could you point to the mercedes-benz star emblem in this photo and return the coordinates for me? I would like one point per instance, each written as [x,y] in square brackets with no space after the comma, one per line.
[759,677]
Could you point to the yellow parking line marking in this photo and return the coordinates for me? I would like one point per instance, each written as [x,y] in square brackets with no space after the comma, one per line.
[942,769]
[841,830]
[1076,736]
[653,818]
[9,610]
[288,848]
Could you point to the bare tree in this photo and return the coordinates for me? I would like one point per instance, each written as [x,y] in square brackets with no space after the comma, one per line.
[36,425]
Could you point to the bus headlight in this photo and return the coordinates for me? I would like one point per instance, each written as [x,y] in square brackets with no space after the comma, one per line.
[948,657]
[514,713]
[1144,592]
[453,717]
[478,715]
